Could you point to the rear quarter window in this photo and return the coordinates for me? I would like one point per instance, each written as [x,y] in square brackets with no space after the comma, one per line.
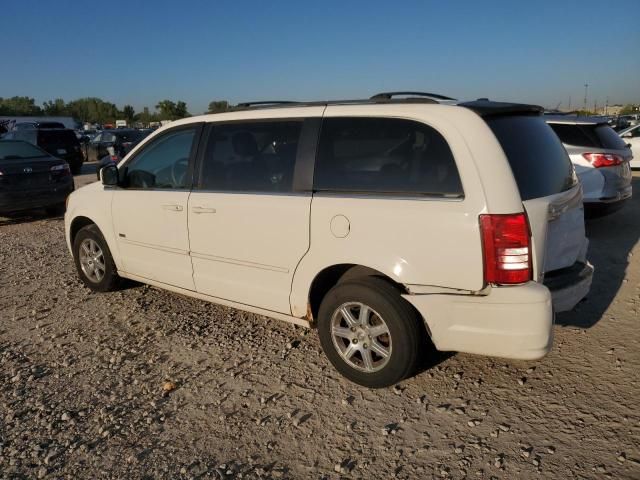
[384,155]
[540,164]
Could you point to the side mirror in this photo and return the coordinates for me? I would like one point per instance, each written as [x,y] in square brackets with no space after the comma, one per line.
[109,175]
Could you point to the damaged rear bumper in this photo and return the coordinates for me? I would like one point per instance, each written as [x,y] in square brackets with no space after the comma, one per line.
[569,285]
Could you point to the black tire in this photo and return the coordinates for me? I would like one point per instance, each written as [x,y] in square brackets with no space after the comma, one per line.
[55,210]
[110,281]
[76,169]
[405,329]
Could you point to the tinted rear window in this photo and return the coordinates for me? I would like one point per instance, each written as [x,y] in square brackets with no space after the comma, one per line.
[539,162]
[57,137]
[594,136]
[133,136]
[384,155]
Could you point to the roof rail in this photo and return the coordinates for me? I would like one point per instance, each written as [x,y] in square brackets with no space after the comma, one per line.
[390,95]
[264,103]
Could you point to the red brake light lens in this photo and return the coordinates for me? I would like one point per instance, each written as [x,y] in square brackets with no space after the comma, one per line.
[603,159]
[506,245]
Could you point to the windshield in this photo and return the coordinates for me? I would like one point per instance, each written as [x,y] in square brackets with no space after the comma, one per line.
[19,151]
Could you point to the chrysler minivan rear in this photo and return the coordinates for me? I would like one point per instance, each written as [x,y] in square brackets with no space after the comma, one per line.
[534,257]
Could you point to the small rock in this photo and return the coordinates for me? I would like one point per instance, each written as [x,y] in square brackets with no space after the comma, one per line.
[504,427]
[168,386]
[65,417]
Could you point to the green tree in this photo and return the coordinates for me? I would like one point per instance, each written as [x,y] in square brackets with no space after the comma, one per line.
[55,107]
[19,106]
[217,106]
[169,110]
[93,110]
[128,112]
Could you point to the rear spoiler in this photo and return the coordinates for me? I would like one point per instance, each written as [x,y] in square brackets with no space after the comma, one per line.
[485,108]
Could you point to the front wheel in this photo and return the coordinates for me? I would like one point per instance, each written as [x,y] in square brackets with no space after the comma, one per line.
[370,334]
[93,260]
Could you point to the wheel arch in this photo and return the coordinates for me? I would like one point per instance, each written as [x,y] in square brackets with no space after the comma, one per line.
[332,275]
[78,223]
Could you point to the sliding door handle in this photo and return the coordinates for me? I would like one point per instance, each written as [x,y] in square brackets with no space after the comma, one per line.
[173,207]
[203,210]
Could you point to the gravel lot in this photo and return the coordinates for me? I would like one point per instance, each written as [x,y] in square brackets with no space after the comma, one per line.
[143,383]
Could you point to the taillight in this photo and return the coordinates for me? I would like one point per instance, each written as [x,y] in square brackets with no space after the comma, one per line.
[603,159]
[114,158]
[61,169]
[506,246]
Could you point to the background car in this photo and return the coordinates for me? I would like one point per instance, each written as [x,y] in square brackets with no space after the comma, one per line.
[59,142]
[122,140]
[32,178]
[32,125]
[631,136]
[601,160]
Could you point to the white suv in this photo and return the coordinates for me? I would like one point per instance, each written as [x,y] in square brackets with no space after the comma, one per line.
[382,222]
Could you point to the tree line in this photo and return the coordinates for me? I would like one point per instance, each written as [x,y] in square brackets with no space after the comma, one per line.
[96,110]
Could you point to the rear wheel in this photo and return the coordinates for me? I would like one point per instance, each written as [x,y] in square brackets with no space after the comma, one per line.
[93,260]
[370,334]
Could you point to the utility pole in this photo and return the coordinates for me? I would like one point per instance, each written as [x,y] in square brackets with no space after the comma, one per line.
[586,87]
[569,107]
[606,106]
[595,107]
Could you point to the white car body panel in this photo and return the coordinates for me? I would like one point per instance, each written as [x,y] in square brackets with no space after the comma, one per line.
[245,247]
[634,142]
[151,230]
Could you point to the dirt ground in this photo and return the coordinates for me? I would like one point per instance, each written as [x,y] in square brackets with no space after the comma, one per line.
[83,378]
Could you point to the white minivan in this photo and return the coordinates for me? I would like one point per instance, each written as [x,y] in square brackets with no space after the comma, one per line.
[382,222]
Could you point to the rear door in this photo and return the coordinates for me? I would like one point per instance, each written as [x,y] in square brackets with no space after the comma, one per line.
[249,213]
[548,187]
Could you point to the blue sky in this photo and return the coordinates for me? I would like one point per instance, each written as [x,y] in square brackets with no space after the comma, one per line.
[538,51]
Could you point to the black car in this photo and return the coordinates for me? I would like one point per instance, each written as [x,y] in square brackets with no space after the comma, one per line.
[32,178]
[32,125]
[122,140]
[59,142]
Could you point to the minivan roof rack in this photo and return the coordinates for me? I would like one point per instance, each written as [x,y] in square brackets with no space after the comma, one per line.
[265,103]
[390,95]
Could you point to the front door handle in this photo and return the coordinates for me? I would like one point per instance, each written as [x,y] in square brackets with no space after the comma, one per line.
[173,207]
[203,210]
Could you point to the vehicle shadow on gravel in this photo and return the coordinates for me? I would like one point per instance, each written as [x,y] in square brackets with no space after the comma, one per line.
[611,240]
[27,217]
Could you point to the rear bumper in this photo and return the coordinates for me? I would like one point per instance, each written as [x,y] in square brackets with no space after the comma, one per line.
[511,322]
[11,202]
[569,285]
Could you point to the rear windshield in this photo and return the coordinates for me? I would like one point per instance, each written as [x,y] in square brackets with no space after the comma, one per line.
[539,162]
[19,150]
[595,136]
[132,136]
[48,138]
